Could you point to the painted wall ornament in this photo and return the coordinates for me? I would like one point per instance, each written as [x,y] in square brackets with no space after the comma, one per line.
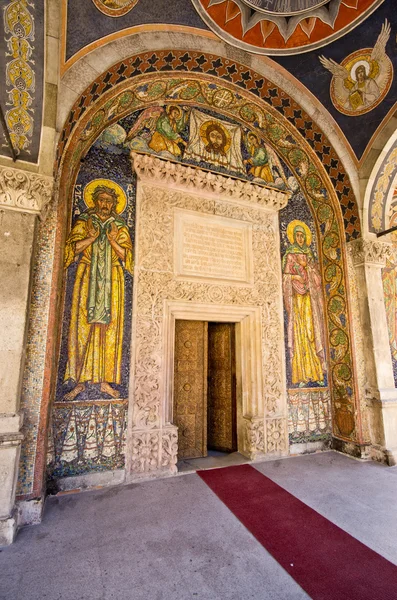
[115,8]
[363,78]
[20,77]
[279,27]
[101,243]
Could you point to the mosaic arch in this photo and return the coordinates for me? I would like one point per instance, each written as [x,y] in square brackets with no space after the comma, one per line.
[381,204]
[208,93]
[144,82]
[380,200]
[280,27]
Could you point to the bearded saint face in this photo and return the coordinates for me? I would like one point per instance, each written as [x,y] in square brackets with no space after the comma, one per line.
[105,204]
[216,140]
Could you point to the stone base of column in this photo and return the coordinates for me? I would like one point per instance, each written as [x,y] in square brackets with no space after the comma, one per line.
[354,449]
[29,512]
[384,456]
[8,530]
[153,453]
[384,448]
[10,449]
[88,481]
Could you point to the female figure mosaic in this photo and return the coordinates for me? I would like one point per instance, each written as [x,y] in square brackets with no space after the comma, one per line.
[304,305]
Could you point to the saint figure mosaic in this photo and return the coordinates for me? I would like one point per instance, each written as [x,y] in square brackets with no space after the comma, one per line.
[101,243]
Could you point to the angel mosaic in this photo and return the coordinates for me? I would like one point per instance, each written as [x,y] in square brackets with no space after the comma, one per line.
[186,134]
[363,78]
[263,164]
[158,130]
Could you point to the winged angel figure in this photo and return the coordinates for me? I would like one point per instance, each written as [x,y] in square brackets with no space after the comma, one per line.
[158,129]
[362,80]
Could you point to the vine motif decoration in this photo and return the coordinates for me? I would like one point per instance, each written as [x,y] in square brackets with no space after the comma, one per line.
[20,77]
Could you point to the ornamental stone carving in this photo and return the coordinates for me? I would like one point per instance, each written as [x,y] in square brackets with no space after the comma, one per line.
[24,191]
[166,191]
[179,176]
[254,437]
[370,252]
[276,439]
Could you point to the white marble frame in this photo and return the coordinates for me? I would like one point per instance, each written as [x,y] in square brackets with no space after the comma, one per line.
[160,297]
[250,401]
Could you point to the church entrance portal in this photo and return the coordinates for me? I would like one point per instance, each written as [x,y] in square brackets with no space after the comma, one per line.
[205,388]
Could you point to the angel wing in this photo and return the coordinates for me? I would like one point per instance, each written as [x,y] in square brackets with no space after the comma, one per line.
[379,50]
[147,119]
[336,69]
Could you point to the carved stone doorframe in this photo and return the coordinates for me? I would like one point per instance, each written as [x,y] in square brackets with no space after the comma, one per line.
[176,203]
[250,402]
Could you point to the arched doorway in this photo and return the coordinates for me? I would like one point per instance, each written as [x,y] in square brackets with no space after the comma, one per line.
[238,103]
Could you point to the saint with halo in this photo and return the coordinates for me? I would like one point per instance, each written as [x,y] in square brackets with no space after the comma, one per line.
[101,245]
[303,300]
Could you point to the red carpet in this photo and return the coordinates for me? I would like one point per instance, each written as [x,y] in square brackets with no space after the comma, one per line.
[327,562]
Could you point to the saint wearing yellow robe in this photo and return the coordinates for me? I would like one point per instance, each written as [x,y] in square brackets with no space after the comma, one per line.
[101,243]
[304,306]
[259,164]
[167,134]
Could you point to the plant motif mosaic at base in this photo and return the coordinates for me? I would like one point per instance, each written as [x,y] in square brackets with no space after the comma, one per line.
[87,436]
[309,418]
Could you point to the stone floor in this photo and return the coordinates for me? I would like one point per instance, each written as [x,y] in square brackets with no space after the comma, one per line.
[172,539]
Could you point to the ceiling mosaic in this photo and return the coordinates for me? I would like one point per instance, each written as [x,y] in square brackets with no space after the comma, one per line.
[279,27]
[363,79]
[115,8]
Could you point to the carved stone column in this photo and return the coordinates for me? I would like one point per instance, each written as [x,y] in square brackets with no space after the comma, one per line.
[175,202]
[23,196]
[369,257]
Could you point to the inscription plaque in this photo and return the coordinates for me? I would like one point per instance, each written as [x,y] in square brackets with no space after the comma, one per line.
[212,247]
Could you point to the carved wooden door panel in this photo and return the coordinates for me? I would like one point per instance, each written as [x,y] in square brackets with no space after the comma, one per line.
[222,427]
[190,387]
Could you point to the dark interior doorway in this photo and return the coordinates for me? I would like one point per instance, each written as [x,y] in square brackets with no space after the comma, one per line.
[205,388]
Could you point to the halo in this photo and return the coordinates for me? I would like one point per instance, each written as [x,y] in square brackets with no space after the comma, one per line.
[168,108]
[90,187]
[203,133]
[357,64]
[290,231]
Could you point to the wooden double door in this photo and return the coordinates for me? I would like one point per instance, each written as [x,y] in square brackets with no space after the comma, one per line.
[205,388]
